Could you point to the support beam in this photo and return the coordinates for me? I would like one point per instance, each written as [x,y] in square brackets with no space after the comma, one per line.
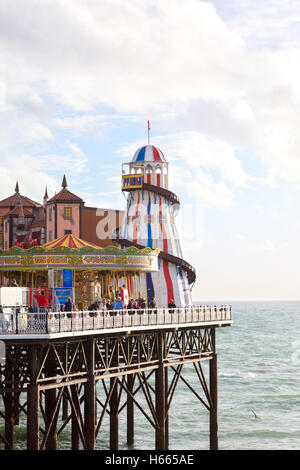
[114,415]
[213,385]
[33,402]
[160,400]
[9,420]
[114,403]
[166,407]
[65,411]
[90,396]
[130,410]
[8,399]
[74,422]
[50,404]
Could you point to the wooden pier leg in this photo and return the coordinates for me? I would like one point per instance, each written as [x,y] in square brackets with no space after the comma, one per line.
[16,378]
[33,402]
[9,420]
[166,407]
[8,400]
[74,425]
[114,416]
[213,385]
[65,411]
[160,401]
[50,404]
[130,411]
[90,397]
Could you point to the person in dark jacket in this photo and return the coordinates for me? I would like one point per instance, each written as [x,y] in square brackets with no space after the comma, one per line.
[68,307]
[93,307]
[171,305]
[152,305]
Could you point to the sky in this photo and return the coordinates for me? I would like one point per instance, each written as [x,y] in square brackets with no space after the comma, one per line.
[219,82]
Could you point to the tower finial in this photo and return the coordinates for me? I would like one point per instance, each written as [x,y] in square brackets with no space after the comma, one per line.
[17,190]
[64,182]
[46,197]
[148,132]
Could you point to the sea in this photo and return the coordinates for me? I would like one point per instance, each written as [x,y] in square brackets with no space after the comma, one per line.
[258,388]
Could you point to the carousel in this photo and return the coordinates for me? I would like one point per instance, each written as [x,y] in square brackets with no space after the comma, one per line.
[71,267]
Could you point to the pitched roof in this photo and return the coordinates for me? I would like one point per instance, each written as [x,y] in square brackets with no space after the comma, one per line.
[37,224]
[65,196]
[20,211]
[12,201]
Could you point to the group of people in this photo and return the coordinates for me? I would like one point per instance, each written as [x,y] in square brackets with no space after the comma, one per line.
[105,304]
[133,306]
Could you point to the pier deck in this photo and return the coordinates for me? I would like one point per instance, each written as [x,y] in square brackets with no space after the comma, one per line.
[77,371]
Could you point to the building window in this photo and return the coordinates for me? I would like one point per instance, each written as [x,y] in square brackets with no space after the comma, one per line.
[50,235]
[68,212]
[5,226]
[50,214]
[68,232]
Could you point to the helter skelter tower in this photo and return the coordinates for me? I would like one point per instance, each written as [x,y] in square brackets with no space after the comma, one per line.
[149,221]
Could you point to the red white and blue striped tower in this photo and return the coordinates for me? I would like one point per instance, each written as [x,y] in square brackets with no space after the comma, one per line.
[150,221]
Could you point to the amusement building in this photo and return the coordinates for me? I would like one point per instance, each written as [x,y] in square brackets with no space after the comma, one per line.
[55,246]
[90,295]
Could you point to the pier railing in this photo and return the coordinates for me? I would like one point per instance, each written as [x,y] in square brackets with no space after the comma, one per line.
[64,322]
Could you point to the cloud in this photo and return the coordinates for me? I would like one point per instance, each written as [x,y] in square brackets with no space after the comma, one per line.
[239,236]
[266,246]
[79,68]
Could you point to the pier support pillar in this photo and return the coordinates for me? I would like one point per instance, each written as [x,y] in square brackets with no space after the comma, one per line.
[90,397]
[33,402]
[213,385]
[74,423]
[8,400]
[65,410]
[160,400]
[50,405]
[130,410]
[9,420]
[166,409]
[114,404]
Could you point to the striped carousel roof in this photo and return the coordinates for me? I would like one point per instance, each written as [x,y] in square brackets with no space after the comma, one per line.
[68,241]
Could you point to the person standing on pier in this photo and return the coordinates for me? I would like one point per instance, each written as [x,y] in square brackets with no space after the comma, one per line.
[171,305]
[68,307]
[118,304]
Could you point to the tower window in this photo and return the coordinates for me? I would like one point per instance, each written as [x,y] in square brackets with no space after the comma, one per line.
[68,212]
[50,214]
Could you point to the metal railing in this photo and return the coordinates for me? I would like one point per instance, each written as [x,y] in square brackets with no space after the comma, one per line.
[63,322]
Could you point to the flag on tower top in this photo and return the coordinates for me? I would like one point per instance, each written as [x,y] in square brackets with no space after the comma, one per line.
[148,132]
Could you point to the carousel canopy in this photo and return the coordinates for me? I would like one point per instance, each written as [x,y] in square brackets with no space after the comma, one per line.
[69,241]
[71,252]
